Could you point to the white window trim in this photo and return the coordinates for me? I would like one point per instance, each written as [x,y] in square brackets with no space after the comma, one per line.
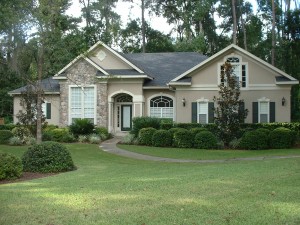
[264,100]
[95,102]
[162,94]
[202,100]
[241,63]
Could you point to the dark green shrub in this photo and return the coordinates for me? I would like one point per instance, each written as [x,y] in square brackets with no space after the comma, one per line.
[195,131]
[166,124]
[47,136]
[47,157]
[174,130]
[7,126]
[263,130]
[254,140]
[145,135]
[281,138]
[205,140]
[161,138]
[82,127]
[183,139]
[10,166]
[143,122]
[5,135]
[58,134]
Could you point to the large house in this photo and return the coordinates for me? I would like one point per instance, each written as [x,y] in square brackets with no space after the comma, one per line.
[110,88]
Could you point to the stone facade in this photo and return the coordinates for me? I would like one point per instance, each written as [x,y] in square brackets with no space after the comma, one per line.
[83,74]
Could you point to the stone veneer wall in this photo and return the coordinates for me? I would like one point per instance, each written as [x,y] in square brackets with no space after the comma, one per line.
[81,74]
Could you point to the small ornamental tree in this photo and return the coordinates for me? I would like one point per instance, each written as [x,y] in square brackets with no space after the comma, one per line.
[230,112]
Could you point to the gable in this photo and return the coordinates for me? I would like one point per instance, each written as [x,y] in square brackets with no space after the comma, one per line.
[260,72]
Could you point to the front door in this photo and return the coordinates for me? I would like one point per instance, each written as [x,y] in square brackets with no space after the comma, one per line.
[126,117]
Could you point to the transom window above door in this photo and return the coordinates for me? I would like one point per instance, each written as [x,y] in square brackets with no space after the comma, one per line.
[123,98]
[162,107]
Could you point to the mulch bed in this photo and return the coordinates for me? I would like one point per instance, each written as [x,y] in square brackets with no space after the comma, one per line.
[27,176]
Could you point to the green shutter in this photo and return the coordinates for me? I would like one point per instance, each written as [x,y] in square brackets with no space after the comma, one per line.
[211,112]
[272,112]
[255,112]
[194,112]
[48,110]
[242,108]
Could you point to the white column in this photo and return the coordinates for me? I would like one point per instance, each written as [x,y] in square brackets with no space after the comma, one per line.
[110,117]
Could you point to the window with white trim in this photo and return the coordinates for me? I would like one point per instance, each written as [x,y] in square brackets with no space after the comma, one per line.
[263,112]
[162,107]
[239,70]
[82,103]
[202,111]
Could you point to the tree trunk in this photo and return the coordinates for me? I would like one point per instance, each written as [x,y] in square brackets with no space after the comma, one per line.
[234,22]
[143,26]
[245,32]
[273,34]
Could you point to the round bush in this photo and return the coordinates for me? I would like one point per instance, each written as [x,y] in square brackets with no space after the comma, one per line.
[205,140]
[183,139]
[145,135]
[161,138]
[22,133]
[82,127]
[15,141]
[47,157]
[281,138]
[5,135]
[10,166]
[254,140]
[175,129]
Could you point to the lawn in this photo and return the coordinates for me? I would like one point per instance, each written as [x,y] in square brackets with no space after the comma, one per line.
[201,154]
[108,189]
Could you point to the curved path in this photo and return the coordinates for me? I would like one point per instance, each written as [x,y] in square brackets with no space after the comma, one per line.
[111,147]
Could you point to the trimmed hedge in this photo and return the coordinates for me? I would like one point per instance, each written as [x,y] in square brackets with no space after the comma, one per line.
[162,138]
[139,123]
[145,136]
[5,135]
[183,139]
[255,140]
[10,166]
[205,140]
[281,138]
[47,157]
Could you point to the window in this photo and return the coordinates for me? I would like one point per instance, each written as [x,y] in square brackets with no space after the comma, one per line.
[239,70]
[82,103]
[161,107]
[264,112]
[202,112]
[46,109]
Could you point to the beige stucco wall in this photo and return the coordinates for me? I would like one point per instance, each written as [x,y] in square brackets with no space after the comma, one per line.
[55,107]
[109,61]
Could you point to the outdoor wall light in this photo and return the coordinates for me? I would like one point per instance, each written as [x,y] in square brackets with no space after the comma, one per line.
[283,101]
[183,102]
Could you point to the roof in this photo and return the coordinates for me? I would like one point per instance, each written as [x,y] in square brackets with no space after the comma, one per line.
[49,85]
[163,67]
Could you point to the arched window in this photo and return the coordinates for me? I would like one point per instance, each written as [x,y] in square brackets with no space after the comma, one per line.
[162,107]
[123,98]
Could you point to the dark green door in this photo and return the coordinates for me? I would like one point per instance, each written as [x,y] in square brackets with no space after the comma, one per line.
[126,117]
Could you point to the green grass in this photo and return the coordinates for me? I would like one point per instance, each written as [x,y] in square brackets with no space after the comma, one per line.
[201,154]
[108,189]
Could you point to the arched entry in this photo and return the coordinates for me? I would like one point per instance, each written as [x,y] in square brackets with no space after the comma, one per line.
[123,112]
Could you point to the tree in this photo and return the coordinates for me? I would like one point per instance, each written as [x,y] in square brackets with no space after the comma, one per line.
[230,112]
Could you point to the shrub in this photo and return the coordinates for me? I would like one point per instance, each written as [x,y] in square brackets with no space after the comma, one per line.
[94,138]
[30,141]
[10,166]
[22,132]
[128,139]
[205,140]
[183,139]
[195,131]
[235,143]
[59,134]
[7,126]
[145,135]
[254,140]
[83,138]
[47,136]
[47,157]
[174,130]
[143,122]
[49,127]
[281,138]
[161,138]
[15,141]
[103,132]
[5,135]
[82,127]
[263,130]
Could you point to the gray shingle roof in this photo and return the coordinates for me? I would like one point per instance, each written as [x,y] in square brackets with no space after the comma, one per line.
[164,67]
[48,85]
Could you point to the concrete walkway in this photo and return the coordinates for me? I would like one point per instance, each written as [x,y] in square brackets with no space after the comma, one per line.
[111,147]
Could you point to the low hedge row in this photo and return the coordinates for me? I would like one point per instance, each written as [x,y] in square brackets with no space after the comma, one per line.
[178,137]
